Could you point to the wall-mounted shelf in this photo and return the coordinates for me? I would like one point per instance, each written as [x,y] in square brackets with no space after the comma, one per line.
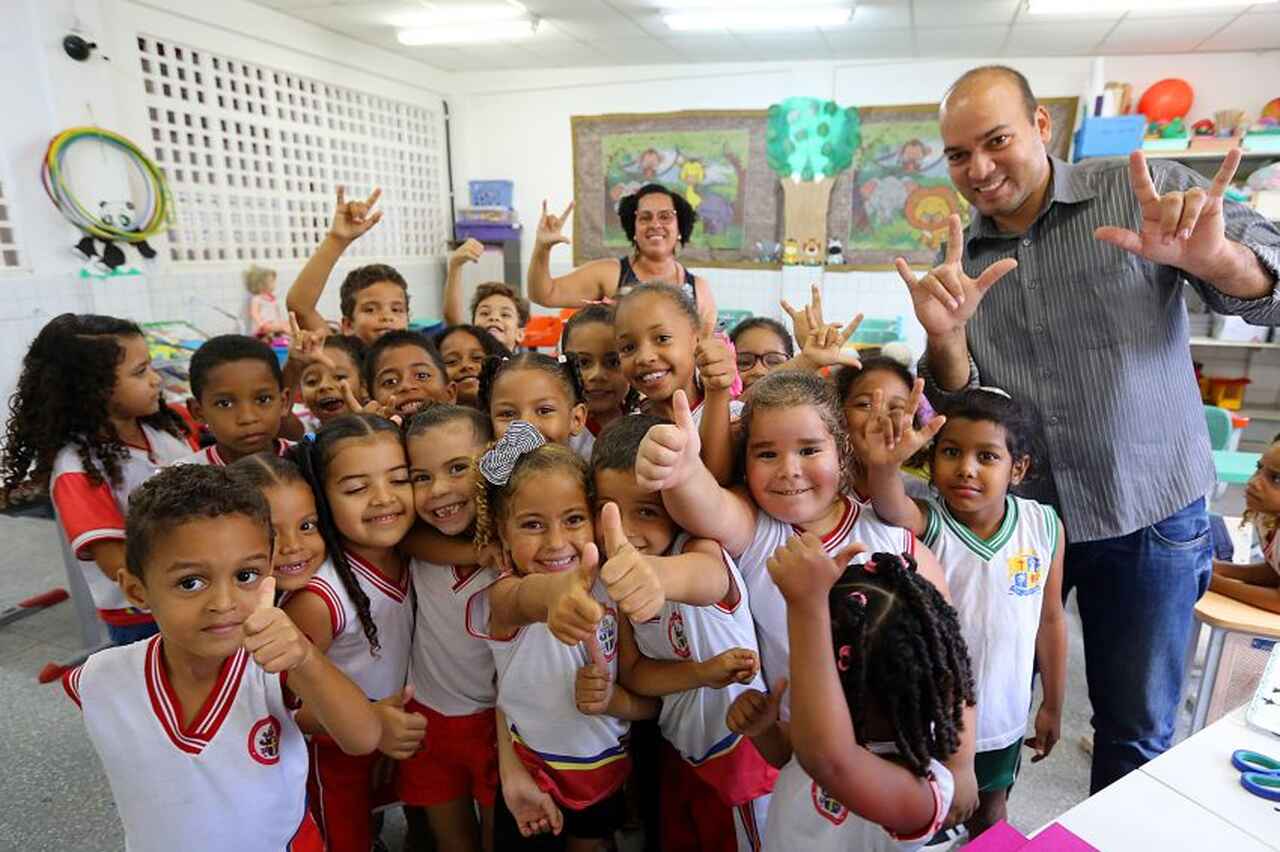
[1215,343]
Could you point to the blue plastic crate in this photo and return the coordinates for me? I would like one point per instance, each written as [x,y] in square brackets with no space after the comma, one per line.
[1116,136]
[492,193]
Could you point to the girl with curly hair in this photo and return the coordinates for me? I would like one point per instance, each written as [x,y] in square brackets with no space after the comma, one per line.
[89,420]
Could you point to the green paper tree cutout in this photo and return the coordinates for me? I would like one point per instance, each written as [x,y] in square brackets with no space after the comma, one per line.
[810,139]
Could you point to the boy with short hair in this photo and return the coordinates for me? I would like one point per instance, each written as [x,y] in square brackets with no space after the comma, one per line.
[238,391]
[195,726]
[374,299]
[403,372]
[495,306]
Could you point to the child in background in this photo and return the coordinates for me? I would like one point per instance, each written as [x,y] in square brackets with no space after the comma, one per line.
[464,349]
[298,548]
[1257,583]
[374,299]
[495,307]
[900,391]
[1002,556]
[357,608]
[697,659]
[322,380]
[89,419]
[536,499]
[195,727]
[588,341]
[265,318]
[403,372]
[796,470]
[880,683]
[451,671]
[664,349]
[760,344]
[537,389]
[238,391]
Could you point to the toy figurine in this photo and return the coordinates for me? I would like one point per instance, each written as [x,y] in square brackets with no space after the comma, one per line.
[790,252]
[835,252]
[812,252]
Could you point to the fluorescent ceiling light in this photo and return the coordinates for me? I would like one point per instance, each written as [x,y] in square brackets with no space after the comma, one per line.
[470,33]
[1093,7]
[434,15]
[739,19]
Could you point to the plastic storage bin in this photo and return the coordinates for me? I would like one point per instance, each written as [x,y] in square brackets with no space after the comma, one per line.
[487,233]
[1109,137]
[492,193]
[879,330]
[1227,393]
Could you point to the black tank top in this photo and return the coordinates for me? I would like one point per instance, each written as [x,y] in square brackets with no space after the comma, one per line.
[627,279]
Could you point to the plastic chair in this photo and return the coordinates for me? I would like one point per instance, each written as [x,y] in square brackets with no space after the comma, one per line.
[1223,615]
[542,332]
[727,319]
[1219,422]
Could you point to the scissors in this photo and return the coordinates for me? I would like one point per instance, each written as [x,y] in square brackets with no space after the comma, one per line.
[1259,774]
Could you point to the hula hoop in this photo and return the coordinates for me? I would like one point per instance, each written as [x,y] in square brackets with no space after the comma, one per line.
[53,175]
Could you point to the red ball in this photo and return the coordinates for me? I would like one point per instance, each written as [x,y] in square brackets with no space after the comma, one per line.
[1166,100]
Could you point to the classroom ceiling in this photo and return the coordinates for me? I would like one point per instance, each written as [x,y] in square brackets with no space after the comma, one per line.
[632,32]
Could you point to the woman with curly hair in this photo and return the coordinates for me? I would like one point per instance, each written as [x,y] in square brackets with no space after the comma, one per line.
[89,420]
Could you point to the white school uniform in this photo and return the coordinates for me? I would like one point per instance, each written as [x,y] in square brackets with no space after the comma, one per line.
[210,455]
[769,609]
[390,607]
[1264,529]
[578,759]
[451,670]
[997,587]
[234,778]
[583,443]
[803,816]
[91,513]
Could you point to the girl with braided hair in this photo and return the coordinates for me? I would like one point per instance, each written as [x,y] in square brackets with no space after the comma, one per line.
[880,684]
[357,608]
[538,389]
[1003,559]
[89,420]
[298,546]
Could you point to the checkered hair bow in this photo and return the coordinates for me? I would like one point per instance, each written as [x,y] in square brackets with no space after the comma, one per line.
[497,464]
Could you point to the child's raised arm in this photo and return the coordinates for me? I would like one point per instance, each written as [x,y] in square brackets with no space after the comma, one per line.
[716,370]
[583,284]
[278,645]
[668,461]
[822,734]
[884,446]
[564,601]
[1051,655]
[455,308]
[757,715]
[351,220]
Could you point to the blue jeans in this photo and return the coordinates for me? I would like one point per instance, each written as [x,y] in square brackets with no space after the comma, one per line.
[127,634]
[1136,595]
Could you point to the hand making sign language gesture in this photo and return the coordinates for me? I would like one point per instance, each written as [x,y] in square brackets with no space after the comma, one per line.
[945,297]
[353,219]
[550,226]
[1183,228]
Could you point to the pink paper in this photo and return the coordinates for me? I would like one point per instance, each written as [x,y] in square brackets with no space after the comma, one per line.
[1000,837]
[1055,838]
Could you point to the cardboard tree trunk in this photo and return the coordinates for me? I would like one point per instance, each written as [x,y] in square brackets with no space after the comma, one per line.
[805,210]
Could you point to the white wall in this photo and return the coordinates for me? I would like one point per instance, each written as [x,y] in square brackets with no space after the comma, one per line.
[517,127]
[53,93]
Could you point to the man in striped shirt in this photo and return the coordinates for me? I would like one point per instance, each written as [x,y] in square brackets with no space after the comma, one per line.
[1088,327]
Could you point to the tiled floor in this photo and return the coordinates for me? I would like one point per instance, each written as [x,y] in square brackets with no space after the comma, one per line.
[54,795]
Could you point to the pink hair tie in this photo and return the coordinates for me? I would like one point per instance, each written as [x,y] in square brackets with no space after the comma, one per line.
[859,597]
[842,657]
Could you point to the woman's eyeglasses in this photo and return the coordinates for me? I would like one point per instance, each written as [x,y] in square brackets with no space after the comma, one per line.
[747,360]
[666,217]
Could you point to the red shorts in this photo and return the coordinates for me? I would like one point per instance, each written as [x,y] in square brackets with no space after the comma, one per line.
[340,792]
[458,759]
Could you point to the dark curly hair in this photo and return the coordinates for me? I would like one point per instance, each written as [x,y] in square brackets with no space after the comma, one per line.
[63,393]
[312,458]
[364,277]
[395,340]
[492,500]
[499,288]
[491,345]
[593,314]
[1021,430]
[686,216]
[566,372]
[350,344]
[184,493]
[769,324]
[899,647]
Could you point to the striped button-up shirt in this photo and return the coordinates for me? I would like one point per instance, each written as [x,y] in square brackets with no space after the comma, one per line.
[1094,339]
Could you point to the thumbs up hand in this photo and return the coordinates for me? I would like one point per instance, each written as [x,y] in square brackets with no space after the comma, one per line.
[573,613]
[670,451]
[271,636]
[593,685]
[753,712]
[402,730]
[629,577]
[716,366]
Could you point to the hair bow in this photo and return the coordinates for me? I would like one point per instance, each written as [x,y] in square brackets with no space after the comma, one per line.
[497,464]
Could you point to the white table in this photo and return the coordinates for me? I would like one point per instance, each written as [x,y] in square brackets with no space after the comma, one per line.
[1188,798]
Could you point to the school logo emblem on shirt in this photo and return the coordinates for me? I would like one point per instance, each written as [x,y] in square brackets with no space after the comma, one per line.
[607,634]
[675,632]
[1026,574]
[264,741]
[827,807]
